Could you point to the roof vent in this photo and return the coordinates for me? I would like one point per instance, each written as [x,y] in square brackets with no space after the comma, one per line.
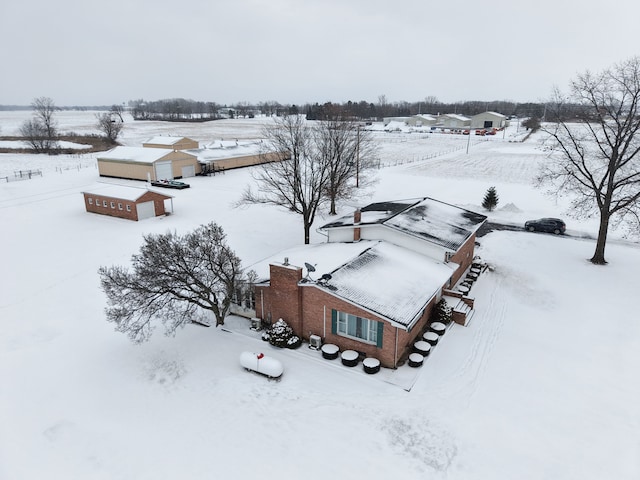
[286,260]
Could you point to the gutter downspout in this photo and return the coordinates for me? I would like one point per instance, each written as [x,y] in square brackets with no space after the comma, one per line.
[262,303]
[324,321]
[395,353]
[321,232]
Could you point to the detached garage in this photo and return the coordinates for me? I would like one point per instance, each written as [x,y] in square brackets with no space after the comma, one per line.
[147,164]
[126,202]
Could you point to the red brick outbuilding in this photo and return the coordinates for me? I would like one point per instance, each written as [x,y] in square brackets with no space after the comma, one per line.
[131,203]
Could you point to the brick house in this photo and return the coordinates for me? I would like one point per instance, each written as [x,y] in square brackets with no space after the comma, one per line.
[131,203]
[372,286]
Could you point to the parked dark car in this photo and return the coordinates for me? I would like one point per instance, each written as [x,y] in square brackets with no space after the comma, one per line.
[550,225]
[170,184]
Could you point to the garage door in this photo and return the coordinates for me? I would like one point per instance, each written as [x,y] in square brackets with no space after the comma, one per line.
[189,171]
[163,171]
[146,210]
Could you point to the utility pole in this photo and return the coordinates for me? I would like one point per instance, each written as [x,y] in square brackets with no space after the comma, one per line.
[358,158]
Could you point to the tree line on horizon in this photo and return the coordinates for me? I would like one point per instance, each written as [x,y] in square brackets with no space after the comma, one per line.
[180,109]
[186,110]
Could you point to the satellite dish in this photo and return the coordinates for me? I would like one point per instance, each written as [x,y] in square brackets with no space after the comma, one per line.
[325,276]
[310,268]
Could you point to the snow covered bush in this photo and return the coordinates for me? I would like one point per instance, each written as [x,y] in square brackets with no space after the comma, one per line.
[441,312]
[280,334]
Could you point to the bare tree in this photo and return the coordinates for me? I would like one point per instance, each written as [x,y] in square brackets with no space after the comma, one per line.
[44,109]
[36,136]
[117,110]
[110,124]
[532,123]
[297,180]
[174,278]
[431,102]
[348,152]
[595,156]
[41,131]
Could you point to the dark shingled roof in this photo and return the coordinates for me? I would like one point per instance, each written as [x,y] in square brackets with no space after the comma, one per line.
[428,219]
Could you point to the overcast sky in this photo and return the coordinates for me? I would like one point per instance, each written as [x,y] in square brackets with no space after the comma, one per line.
[83,52]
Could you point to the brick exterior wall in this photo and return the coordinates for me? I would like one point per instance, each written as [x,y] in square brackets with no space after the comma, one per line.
[113,205]
[158,201]
[464,258]
[282,299]
[317,306]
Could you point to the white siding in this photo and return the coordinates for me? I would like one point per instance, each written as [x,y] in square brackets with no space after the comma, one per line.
[380,232]
[341,235]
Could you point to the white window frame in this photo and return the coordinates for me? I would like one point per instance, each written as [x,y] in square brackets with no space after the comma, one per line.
[113,205]
[128,208]
[104,203]
[90,200]
[119,206]
[359,328]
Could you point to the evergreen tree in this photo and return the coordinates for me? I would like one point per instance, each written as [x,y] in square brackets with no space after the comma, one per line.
[490,199]
[441,312]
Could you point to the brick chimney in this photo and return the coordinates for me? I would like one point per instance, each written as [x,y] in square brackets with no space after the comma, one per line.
[283,296]
[357,215]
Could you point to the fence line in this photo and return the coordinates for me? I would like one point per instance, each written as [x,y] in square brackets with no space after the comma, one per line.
[28,174]
[429,156]
[74,167]
[22,175]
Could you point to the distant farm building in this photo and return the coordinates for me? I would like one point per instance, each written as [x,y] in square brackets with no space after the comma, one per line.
[131,203]
[489,120]
[170,142]
[226,155]
[147,164]
[167,158]
[452,120]
[388,120]
[485,120]
[422,120]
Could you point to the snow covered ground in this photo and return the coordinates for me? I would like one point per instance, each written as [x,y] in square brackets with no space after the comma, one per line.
[542,384]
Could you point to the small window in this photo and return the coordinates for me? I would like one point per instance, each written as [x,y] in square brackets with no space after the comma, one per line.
[119,206]
[90,201]
[128,208]
[113,204]
[104,203]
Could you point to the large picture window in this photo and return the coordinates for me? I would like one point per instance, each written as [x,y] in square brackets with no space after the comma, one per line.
[348,325]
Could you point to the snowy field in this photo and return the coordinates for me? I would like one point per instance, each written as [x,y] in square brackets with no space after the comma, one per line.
[542,384]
